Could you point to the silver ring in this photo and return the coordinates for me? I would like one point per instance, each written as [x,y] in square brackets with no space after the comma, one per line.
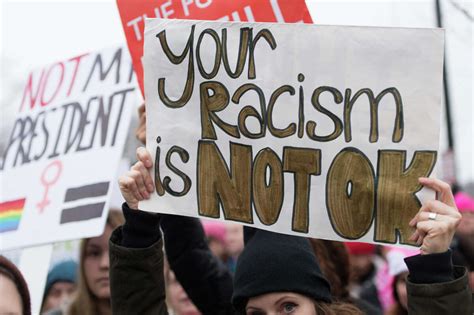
[432,216]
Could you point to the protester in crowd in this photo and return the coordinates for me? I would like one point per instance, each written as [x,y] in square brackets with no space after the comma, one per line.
[177,300]
[207,282]
[234,244]
[92,296]
[398,270]
[434,285]
[333,258]
[364,265]
[216,237]
[463,242]
[289,278]
[384,280]
[14,294]
[60,285]
[280,274]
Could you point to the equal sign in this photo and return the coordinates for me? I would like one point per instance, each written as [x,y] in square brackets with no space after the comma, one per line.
[87,208]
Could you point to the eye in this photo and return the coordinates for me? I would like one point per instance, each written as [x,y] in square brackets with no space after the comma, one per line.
[55,293]
[289,307]
[93,253]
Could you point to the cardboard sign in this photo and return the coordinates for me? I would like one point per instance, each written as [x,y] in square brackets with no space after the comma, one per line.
[301,129]
[65,140]
[134,12]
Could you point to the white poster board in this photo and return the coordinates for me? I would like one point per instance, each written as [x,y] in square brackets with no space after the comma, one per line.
[309,130]
[65,138]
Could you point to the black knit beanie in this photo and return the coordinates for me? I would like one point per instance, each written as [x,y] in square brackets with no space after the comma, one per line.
[11,271]
[273,262]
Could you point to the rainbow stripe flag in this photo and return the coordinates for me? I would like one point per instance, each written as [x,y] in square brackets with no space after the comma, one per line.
[10,214]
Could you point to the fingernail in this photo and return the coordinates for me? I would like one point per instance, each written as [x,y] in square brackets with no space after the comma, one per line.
[148,163]
[150,188]
[146,194]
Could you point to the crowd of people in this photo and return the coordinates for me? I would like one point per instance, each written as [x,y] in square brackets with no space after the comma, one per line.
[150,263]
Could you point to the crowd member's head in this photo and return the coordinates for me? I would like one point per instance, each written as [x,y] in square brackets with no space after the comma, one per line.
[465,204]
[334,262]
[361,260]
[234,239]
[14,294]
[176,298]
[279,274]
[215,234]
[93,292]
[60,285]
[333,258]
[464,251]
[399,270]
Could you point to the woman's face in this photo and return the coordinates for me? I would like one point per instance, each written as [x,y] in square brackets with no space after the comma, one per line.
[280,303]
[60,294]
[179,300]
[401,287]
[466,226]
[96,264]
[234,239]
[10,301]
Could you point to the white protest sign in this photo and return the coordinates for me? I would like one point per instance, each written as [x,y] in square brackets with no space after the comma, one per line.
[64,142]
[301,129]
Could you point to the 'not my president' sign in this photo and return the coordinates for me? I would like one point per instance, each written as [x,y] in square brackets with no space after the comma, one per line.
[301,129]
[61,146]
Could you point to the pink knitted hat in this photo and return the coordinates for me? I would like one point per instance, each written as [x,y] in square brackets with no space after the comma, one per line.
[214,229]
[464,202]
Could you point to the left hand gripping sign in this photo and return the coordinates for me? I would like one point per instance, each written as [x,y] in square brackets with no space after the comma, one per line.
[301,129]
[64,140]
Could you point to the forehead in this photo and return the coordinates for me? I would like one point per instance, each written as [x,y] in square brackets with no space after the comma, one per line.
[10,301]
[102,240]
[62,285]
[274,297]
[234,227]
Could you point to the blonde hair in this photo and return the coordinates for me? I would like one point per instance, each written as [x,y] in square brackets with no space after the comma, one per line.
[85,302]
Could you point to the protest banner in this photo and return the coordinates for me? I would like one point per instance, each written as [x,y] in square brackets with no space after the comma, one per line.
[64,143]
[133,14]
[310,130]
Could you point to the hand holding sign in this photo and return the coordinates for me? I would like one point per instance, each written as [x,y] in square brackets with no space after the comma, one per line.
[136,185]
[437,220]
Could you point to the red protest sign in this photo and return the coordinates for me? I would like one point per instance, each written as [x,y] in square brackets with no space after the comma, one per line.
[134,12]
